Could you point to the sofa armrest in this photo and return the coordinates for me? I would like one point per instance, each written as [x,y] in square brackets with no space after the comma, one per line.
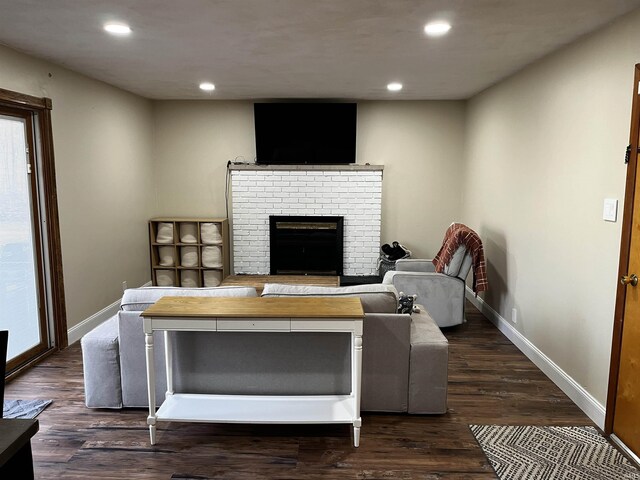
[415,265]
[429,364]
[385,362]
[443,296]
[101,366]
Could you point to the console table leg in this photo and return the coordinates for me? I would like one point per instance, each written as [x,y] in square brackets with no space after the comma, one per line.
[169,361]
[152,429]
[356,432]
[151,386]
[356,386]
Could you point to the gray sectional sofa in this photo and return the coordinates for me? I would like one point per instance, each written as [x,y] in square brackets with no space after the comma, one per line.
[404,356]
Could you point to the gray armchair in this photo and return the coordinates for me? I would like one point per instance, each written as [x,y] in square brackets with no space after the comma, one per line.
[442,294]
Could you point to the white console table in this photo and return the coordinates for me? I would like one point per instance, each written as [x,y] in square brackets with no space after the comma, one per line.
[273,314]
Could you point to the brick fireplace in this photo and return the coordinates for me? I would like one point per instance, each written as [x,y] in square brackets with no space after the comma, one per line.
[353,192]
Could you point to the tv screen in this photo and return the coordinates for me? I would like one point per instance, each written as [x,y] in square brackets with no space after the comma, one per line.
[305,133]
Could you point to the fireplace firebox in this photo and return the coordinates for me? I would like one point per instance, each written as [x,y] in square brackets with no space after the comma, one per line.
[311,245]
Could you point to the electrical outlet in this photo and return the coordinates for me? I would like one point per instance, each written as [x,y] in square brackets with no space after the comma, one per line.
[124,285]
[514,316]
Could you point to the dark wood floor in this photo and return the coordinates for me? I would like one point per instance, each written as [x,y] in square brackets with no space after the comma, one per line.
[490,382]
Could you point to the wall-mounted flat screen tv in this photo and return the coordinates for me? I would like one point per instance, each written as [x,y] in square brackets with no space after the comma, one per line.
[305,133]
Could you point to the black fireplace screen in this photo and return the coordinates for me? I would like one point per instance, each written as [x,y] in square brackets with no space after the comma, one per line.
[306,245]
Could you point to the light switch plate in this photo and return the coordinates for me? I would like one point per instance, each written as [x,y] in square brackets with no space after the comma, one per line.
[610,212]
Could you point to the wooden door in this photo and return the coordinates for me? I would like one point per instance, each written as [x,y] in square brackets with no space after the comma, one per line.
[623,403]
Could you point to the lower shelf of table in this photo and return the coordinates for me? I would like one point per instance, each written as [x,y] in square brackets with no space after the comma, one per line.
[185,407]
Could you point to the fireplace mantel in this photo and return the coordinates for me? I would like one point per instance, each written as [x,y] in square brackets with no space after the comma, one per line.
[352,167]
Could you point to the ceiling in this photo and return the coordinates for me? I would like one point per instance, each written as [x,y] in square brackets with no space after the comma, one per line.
[330,49]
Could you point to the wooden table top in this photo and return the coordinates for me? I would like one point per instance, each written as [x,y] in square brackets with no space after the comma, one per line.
[258,281]
[256,307]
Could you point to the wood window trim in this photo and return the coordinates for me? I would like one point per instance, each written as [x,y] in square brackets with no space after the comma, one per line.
[42,106]
[22,100]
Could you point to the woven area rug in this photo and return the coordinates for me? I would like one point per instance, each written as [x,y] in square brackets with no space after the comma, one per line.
[23,408]
[519,452]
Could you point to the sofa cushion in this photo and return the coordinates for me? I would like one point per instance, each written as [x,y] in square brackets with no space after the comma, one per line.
[139,299]
[375,297]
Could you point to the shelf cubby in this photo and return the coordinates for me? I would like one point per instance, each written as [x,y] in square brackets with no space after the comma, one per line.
[197,254]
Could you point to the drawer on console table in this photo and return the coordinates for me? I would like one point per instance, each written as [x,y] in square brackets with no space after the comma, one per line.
[180,324]
[325,325]
[255,324]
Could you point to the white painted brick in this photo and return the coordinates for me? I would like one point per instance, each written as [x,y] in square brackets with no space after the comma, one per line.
[354,195]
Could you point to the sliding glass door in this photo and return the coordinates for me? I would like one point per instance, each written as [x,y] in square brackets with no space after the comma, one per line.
[22,309]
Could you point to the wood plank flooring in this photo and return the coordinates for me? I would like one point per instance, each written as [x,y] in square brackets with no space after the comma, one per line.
[490,382]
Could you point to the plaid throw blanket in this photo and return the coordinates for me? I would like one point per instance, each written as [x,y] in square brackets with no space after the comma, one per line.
[458,234]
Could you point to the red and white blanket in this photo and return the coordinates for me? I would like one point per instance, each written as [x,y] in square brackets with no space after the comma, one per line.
[459,234]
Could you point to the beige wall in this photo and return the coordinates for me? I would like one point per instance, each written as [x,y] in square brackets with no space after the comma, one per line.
[544,149]
[102,138]
[193,142]
[420,145]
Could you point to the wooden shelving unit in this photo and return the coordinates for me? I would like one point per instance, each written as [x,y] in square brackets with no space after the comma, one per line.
[188,252]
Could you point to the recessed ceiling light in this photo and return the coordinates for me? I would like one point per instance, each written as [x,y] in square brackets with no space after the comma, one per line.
[117,29]
[207,87]
[394,87]
[436,29]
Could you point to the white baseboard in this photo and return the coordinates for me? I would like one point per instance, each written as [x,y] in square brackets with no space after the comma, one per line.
[76,332]
[583,399]
[625,449]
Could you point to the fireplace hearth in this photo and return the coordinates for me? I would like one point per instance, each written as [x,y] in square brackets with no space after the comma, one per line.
[311,245]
